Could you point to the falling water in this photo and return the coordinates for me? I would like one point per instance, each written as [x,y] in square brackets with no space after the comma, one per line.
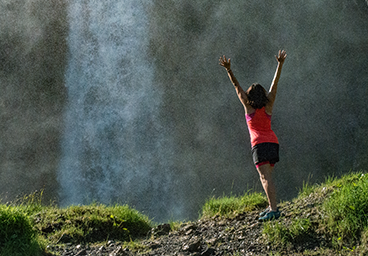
[111,133]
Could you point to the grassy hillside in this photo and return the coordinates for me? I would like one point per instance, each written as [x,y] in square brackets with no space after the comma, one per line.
[42,225]
[331,214]
[334,212]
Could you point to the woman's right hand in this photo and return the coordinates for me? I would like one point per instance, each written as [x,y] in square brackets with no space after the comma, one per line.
[225,63]
[282,56]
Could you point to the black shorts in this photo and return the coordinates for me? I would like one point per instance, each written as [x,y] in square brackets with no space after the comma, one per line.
[265,152]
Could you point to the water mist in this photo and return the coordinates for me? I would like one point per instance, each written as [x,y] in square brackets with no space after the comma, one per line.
[112,132]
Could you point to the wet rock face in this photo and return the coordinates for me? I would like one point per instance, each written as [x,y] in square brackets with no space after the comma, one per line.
[33,57]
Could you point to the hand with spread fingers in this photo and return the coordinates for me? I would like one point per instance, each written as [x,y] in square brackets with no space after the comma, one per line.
[225,63]
[282,56]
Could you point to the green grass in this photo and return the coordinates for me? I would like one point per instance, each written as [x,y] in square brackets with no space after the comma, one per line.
[91,223]
[279,234]
[335,210]
[27,226]
[347,210]
[231,205]
[17,235]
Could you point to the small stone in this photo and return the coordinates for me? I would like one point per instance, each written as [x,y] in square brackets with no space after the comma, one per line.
[189,232]
[208,252]
[254,225]
[154,246]
[222,223]
[240,217]
[189,227]
[117,251]
[161,230]
[82,252]
[251,248]
[211,241]
[192,246]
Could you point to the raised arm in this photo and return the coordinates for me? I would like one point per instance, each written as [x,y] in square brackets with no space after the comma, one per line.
[239,91]
[273,89]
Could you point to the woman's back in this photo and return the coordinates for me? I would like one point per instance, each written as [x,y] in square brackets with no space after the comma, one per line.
[259,126]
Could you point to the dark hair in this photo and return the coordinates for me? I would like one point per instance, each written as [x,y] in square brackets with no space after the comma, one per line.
[257,96]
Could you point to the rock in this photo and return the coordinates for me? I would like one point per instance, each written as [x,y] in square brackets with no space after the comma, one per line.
[208,252]
[154,245]
[161,230]
[190,231]
[187,228]
[82,252]
[212,241]
[254,225]
[240,217]
[110,243]
[118,251]
[102,249]
[192,246]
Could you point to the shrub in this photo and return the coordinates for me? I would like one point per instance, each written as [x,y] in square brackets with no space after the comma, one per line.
[17,236]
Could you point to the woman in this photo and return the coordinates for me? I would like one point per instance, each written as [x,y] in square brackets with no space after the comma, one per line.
[258,105]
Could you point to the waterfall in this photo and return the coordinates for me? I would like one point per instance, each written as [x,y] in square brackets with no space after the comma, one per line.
[112,133]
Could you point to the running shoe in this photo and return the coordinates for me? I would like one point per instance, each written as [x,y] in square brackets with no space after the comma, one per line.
[264,212]
[271,215]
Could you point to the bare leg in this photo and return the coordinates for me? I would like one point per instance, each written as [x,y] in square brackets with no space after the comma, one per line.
[265,174]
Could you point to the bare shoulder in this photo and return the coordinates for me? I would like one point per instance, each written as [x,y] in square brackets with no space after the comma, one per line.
[269,107]
[248,109]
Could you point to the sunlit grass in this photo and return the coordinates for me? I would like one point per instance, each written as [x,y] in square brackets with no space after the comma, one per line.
[91,223]
[230,205]
[17,235]
[26,226]
[339,213]
[280,234]
[347,210]
[336,209]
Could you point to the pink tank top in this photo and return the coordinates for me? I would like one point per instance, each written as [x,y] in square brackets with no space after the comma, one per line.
[259,126]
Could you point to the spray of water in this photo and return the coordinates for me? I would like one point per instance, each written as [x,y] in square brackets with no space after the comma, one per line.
[111,128]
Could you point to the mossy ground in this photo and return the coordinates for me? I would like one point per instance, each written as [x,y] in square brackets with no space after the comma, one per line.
[325,219]
[86,224]
[331,217]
